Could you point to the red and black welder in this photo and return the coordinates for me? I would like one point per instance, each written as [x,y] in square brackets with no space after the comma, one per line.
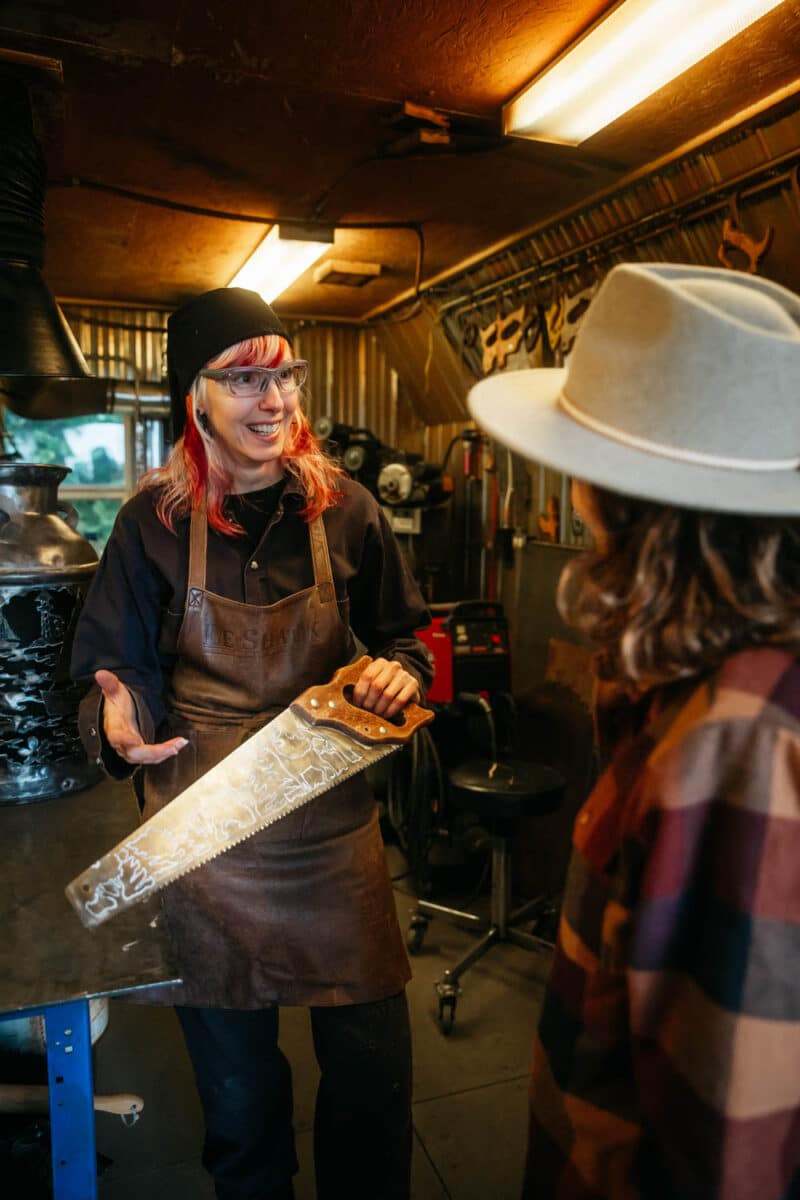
[468,642]
[471,692]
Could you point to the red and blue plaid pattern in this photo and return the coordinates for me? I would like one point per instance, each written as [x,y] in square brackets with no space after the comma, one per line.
[667,1065]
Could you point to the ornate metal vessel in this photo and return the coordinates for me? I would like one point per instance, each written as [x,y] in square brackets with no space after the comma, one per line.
[45,569]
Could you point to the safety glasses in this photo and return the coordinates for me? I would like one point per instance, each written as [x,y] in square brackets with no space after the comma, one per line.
[247,382]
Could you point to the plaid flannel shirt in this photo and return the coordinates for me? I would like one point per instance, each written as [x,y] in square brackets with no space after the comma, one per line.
[667,1064]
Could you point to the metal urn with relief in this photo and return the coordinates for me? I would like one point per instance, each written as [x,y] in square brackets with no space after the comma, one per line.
[45,569]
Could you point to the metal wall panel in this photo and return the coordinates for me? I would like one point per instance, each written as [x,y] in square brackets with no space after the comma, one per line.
[352,381]
[438,440]
[435,379]
[118,343]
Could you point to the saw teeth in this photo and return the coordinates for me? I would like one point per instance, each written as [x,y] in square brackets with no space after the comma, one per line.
[375,753]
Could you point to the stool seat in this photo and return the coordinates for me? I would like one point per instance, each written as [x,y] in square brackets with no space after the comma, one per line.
[506,789]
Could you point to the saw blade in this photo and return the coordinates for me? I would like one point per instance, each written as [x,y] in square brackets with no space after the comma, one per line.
[283,766]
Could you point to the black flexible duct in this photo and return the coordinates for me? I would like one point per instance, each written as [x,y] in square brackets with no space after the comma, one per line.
[42,370]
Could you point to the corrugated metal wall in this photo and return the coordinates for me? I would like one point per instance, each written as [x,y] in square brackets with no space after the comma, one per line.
[435,378]
[352,380]
[119,342]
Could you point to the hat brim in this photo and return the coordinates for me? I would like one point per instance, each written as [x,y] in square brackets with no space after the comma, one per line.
[521,410]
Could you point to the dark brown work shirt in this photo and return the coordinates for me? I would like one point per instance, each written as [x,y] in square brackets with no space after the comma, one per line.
[133,612]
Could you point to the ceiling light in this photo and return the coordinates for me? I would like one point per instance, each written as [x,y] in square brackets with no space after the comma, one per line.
[280,259]
[639,47]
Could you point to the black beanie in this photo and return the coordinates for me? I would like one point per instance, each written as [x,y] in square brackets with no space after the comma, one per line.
[203,328]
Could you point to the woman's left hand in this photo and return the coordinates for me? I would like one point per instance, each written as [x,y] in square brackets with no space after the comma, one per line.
[385,688]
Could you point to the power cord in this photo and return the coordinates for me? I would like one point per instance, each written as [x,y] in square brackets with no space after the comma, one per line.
[413,808]
[475,700]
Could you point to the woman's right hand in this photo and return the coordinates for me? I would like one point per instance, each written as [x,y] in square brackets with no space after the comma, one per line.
[122,729]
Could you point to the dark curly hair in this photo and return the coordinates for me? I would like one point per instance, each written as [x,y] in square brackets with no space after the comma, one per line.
[671,592]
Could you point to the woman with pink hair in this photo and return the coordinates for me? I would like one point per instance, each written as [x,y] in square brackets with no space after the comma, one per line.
[233,580]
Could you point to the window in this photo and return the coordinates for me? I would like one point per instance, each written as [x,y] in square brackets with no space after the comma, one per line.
[105,454]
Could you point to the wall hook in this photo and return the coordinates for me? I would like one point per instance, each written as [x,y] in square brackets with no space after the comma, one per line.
[734,238]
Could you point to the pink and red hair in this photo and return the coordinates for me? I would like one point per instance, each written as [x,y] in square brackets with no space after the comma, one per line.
[194,470]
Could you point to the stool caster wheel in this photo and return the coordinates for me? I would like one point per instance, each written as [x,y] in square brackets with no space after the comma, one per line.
[447,1014]
[416,932]
[448,994]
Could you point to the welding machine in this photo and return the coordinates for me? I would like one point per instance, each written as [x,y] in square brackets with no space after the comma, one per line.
[468,644]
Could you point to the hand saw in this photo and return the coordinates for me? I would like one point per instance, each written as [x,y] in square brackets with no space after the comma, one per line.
[316,743]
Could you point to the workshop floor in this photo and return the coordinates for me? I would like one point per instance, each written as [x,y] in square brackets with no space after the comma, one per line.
[470,1091]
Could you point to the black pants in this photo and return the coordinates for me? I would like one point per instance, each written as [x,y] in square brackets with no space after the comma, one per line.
[362,1121]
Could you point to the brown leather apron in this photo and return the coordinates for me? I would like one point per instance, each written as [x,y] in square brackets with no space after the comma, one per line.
[301,913]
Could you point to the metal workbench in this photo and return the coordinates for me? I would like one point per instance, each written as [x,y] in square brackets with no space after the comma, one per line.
[51,965]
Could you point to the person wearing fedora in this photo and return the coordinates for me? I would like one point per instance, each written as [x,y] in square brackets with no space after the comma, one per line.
[667,1060]
[234,579]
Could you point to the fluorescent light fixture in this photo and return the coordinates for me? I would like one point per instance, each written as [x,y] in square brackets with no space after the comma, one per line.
[630,54]
[279,260]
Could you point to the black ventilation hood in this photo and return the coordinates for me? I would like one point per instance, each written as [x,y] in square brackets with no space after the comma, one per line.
[42,371]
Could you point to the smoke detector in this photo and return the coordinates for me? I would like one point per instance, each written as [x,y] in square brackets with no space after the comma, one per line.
[346,274]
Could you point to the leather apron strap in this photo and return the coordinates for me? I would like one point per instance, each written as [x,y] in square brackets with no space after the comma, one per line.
[198,541]
[198,545]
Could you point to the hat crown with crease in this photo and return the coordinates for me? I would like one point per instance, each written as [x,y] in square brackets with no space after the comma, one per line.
[683,386]
[688,362]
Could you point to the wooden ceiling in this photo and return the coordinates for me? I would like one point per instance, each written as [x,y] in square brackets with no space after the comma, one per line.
[294,109]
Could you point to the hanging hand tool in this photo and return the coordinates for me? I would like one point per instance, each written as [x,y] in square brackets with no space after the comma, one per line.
[575,310]
[550,521]
[554,322]
[512,327]
[488,336]
[735,238]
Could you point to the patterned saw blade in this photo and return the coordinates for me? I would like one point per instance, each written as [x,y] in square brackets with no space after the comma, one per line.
[280,768]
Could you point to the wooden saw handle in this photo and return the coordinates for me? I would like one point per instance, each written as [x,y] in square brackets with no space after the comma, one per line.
[329,706]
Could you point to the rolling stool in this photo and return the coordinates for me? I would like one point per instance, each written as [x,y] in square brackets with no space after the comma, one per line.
[499,794]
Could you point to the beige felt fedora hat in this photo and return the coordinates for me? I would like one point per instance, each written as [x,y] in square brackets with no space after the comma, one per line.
[683,387]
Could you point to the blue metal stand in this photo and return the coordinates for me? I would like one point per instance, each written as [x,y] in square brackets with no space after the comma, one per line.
[69,1070]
